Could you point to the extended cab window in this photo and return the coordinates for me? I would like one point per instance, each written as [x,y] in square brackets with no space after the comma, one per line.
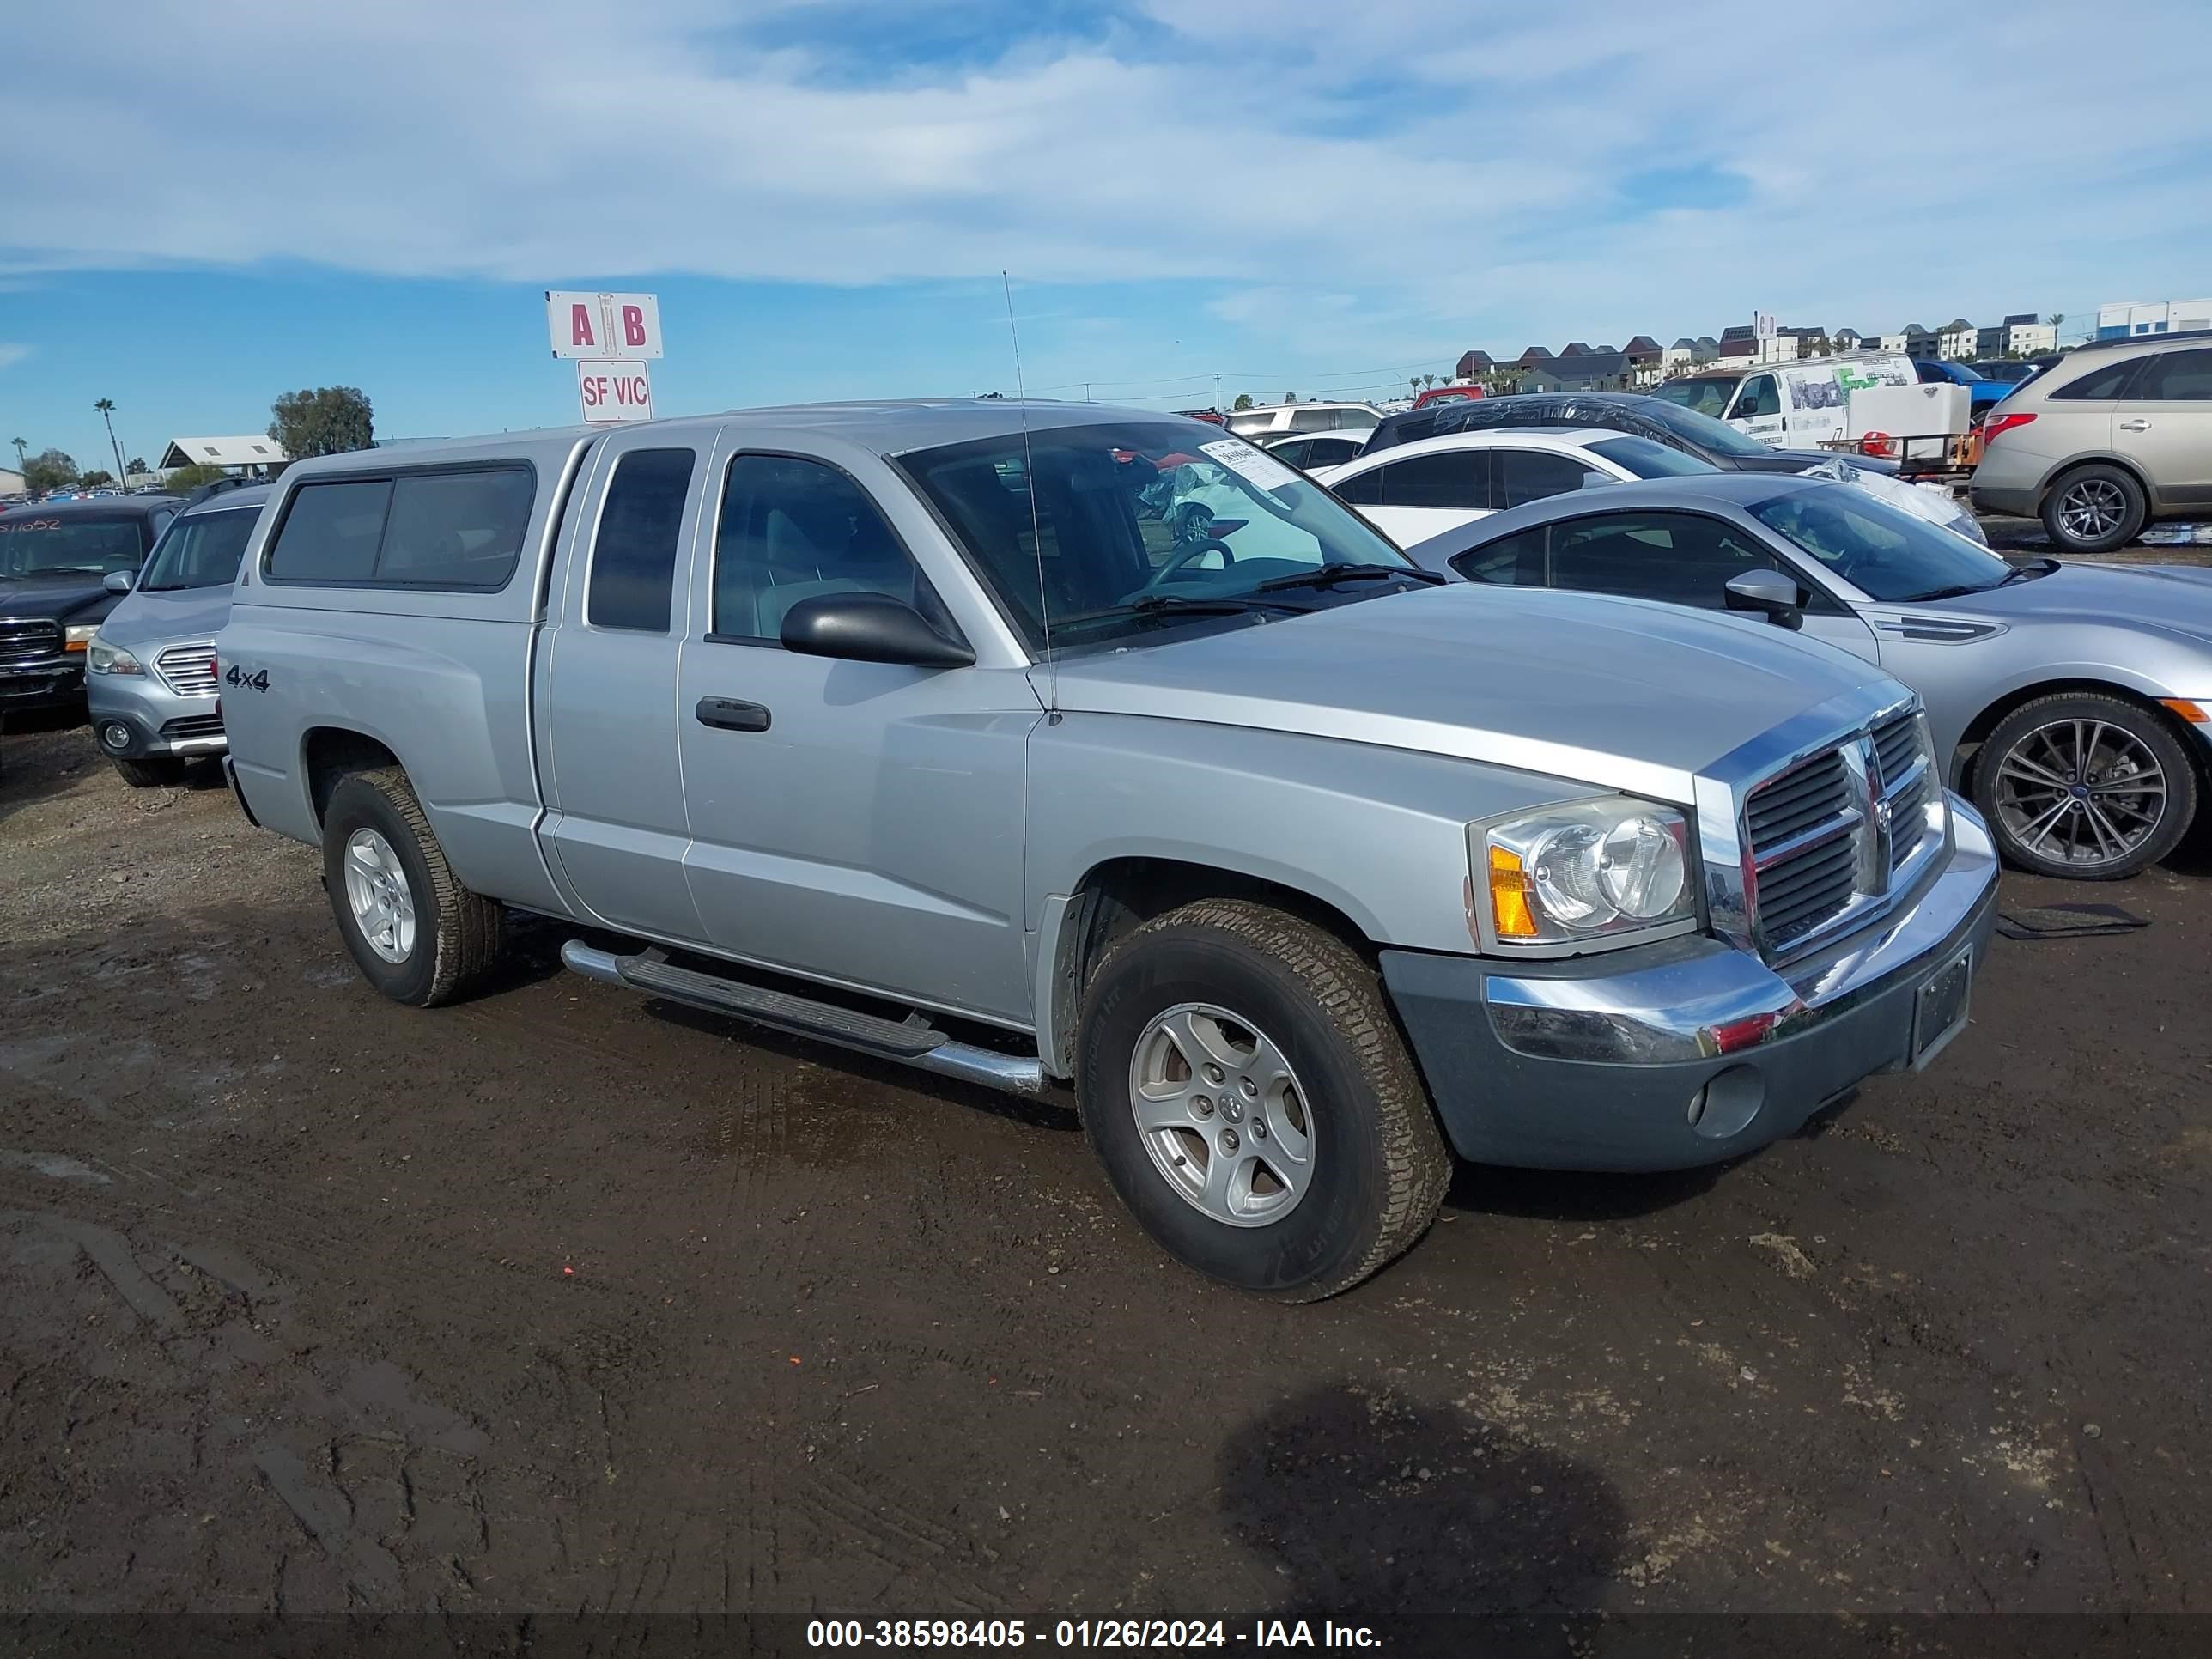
[793,529]
[461,529]
[634,553]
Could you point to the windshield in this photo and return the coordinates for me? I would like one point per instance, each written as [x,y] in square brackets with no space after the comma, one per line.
[1702,430]
[201,550]
[1885,552]
[67,547]
[1706,397]
[1110,528]
[1648,459]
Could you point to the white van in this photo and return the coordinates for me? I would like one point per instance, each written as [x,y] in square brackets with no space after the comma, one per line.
[1790,405]
[1304,417]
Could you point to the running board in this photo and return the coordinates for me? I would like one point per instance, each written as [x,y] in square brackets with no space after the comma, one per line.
[911,1043]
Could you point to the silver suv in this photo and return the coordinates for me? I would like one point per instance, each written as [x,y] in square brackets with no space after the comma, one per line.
[2111,436]
[149,680]
[1033,744]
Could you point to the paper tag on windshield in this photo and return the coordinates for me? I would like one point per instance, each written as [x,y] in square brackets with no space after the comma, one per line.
[1254,466]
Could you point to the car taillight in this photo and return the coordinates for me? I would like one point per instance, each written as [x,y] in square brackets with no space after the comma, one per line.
[1997,423]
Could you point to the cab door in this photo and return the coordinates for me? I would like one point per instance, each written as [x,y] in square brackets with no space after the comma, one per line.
[859,822]
[1757,410]
[612,771]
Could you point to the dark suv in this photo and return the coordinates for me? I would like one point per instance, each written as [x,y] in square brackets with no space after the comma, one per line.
[55,561]
[1701,436]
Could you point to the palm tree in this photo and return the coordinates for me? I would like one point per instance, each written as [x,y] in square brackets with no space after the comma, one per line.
[20,446]
[1428,379]
[1414,382]
[106,410]
[2056,318]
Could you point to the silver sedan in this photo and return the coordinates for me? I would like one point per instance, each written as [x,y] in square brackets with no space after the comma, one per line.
[2074,699]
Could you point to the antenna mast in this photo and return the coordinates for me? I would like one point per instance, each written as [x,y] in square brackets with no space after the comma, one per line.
[1037,531]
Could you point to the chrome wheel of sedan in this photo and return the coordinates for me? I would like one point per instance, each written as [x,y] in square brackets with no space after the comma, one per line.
[2085,793]
[377,892]
[1222,1114]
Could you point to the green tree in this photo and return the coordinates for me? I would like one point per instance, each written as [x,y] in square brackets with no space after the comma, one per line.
[50,469]
[99,478]
[1289,396]
[186,479]
[1243,402]
[137,469]
[327,421]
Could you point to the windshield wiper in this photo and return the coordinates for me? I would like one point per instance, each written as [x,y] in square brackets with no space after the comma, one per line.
[2028,572]
[1958,592]
[1179,604]
[1328,575]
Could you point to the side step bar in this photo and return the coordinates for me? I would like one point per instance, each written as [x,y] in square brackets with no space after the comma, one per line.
[913,1043]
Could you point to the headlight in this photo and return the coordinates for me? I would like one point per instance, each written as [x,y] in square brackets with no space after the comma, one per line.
[77,639]
[1595,870]
[101,658]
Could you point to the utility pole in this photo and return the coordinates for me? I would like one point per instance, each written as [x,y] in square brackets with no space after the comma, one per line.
[1217,394]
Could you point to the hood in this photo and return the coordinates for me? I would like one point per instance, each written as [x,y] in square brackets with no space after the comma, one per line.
[182,616]
[1796,460]
[1618,693]
[55,597]
[2173,599]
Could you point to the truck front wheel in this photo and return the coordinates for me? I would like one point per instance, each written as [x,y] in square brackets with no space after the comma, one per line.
[1240,1076]
[417,933]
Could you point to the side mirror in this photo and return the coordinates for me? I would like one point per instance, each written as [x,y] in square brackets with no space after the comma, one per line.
[119,581]
[1771,593]
[868,628]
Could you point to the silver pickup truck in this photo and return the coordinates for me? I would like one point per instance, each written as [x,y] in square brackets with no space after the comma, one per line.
[1035,744]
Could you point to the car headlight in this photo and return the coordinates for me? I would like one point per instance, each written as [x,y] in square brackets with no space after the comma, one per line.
[101,658]
[1595,871]
[79,638]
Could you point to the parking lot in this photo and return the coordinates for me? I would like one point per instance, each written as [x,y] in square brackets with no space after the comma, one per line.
[563,1299]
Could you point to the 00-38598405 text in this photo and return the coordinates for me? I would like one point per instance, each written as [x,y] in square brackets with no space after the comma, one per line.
[1014,1633]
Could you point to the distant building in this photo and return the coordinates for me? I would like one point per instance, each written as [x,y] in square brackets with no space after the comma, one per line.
[1849,339]
[1533,356]
[254,455]
[2127,318]
[1474,365]
[2023,334]
[1575,349]
[1647,360]
[11,482]
[1891,342]
[1956,340]
[1919,342]
[1582,371]
[1687,354]
[1741,345]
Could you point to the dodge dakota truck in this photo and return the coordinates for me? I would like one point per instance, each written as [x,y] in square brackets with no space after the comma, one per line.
[1049,745]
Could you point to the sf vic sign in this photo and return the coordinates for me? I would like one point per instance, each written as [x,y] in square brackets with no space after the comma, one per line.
[609,336]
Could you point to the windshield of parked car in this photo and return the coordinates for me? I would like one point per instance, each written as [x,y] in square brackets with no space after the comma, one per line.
[1706,397]
[1887,554]
[1648,459]
[1110,531]
[41,546]
[1702,430]
[201,549]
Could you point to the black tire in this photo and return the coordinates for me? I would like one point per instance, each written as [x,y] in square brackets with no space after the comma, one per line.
[2113,486]
[1380,1164]
[163,771]
[458,936]
[2007,819]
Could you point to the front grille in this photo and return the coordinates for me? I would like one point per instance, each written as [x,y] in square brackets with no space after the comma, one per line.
[1814,832]
[193,725]
[189,669]
[1802,828]
[27,640]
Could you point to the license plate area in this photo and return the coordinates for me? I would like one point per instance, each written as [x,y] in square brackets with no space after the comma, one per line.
[1939,1007]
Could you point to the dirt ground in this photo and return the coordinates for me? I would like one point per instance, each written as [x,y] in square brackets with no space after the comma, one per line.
[562,1301]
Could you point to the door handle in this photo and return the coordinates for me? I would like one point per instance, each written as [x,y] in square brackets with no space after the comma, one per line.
[730,715]
[2134,426]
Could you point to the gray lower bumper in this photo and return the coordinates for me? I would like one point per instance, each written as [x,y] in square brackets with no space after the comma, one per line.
[1684,1053]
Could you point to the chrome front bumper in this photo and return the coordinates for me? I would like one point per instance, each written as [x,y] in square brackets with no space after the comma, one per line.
[1714,999]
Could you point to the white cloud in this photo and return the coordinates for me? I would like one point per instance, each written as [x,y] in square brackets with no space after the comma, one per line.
[11,353]
[1450,168]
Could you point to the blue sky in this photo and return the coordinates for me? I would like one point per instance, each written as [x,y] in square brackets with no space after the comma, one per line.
[1295,195]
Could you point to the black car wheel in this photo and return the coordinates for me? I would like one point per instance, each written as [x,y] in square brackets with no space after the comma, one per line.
[2084,785]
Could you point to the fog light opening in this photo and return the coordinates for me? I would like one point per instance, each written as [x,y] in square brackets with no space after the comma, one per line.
[115,735]
[1728,1102]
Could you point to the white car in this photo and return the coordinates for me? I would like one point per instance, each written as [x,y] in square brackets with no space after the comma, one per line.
[1311,450]
[1412,491]
[1256,423]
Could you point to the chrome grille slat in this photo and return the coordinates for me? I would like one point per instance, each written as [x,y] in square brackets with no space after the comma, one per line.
[25,639]
[189,669]
[193,725]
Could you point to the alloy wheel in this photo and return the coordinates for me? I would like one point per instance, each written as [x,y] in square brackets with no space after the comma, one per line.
[2083,792]
[1222,1114]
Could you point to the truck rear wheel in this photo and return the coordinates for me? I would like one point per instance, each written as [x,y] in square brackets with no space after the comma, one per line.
[416,932]
[1240,1076]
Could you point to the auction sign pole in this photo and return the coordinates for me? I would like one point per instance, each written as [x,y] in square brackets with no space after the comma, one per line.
[609,337]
